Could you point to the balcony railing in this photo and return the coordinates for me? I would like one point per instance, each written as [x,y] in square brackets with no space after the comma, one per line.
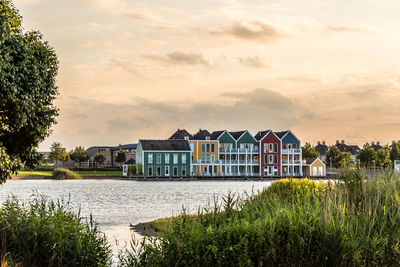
[253,150]
[291,161]
[291,151]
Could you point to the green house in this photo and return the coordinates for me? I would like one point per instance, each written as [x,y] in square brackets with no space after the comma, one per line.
[163,158]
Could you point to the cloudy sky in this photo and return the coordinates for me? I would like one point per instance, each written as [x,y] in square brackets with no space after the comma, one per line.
[141,69]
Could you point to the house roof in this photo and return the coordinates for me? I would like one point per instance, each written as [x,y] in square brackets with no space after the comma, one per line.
[353,149]
[281,134]
[376,147]
[124,147]
[321,149]
[217,134]
[260,135]
[181,134]
[170,144]
[237,134]
[310,161]
[202,134]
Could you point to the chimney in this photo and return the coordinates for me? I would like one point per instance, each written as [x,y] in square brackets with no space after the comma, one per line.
[372,143]
[337,142]
[323,142]
[319,142]
[378,143]
[342,141]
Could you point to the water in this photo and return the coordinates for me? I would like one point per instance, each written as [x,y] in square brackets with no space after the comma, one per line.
[115,204]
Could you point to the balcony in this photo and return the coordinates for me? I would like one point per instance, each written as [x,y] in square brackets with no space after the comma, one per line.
[291,151]
[253,150]
[294,174]
[206,162]
[295,162]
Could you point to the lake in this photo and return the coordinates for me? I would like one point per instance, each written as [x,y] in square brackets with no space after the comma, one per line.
[115,204]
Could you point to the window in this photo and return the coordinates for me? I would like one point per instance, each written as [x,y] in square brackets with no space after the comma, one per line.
[284,146]
[265,159]
[208,147]
[275,159]
[207,138]
[270,147]
[212,158]
[265,148]
[166,158]
[191,147]
[158,158]
[183,170]
[270,159]
[186,137]
[212,148]
[175,170]
[294,146]
[215,170]
[275,148]
[203,147]
[167,170]
[158,168]
[203,158]
[184,158]
[208,158]
[175,158]
[150,172]
[150,158]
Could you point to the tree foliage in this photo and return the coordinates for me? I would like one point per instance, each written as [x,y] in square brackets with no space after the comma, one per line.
[395,152]
[79,154]
[121,157]
[334,156]
[367,155]
[28,67]
[99,158]
[383,157]
[58,153]
[308,151]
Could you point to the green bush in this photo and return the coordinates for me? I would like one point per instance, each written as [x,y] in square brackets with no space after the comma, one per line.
[291,223]
[61,174]
[47,233]
[132,170]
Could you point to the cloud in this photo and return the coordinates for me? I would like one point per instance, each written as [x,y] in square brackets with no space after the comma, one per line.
[179,58]
[253,62]
[255,30]
[124,65]
[350,29]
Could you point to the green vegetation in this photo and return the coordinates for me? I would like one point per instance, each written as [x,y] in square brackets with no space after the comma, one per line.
[81,173]
[28,70]
[61,174]
[121,157]
[79,154]
[308,151]
[132,170]
[47,233]
[353,222]
[99,158]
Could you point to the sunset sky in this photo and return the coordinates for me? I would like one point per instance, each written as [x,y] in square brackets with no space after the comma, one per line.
[326,70]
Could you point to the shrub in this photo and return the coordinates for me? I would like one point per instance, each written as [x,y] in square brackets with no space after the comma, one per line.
[293,222]
[47,233]
[139,168]
[61,174]
[132,170]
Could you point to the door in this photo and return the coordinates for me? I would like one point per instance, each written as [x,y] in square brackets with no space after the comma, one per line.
[206,170]
[321,171]
[314,171]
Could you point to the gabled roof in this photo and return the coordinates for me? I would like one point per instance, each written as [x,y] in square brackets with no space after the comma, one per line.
[202,134]
[321,149]
[165,145]
[237,134]
[353,149]
[217,134]
[281,134]
[181,134]
[310,160]
[260,135]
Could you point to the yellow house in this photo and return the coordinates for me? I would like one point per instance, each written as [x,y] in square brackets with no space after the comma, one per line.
[205,154]
[314,167]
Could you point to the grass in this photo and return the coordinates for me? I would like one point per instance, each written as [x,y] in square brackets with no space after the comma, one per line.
[61,174]
[81,173]
[48,233]
[353,222]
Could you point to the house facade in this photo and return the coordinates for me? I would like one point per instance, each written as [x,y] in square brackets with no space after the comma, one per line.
[163,158]
[270,151]
[291,154]
[314,167]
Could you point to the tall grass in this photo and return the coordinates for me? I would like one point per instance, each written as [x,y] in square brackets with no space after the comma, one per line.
[354,222]
[47,233]
[61,174]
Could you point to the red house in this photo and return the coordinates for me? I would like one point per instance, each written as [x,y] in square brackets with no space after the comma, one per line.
[269,145]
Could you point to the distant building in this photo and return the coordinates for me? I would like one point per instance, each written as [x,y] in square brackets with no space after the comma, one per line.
[376,146]
[105,150]
[129,149]
[322,148]
[353,149]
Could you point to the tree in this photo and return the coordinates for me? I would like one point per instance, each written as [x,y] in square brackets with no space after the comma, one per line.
[383,157]
[28,67]
[79,154]
[99,158]
[121,157]
[367,155]
[58,153]
[309,151]
[395,152]
[334,156]
[345,159]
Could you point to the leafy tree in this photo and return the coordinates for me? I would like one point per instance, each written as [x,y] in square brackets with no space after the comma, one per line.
[28,67]
[99,158]
[345,159]
[367,155]
[58,153]
[395,152]
[334,156]
[383,157]
[308,151]
[79,154]
[121,157]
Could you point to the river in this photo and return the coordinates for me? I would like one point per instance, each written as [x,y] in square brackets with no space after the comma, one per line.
[115,204]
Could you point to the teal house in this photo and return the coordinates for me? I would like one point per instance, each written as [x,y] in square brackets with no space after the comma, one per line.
[163,158]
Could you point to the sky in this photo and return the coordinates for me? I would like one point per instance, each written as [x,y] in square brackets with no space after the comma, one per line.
[129,70]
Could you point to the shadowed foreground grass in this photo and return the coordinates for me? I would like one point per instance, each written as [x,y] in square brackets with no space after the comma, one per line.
[354,222]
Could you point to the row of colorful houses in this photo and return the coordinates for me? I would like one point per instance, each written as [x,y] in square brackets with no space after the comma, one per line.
[224,153]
